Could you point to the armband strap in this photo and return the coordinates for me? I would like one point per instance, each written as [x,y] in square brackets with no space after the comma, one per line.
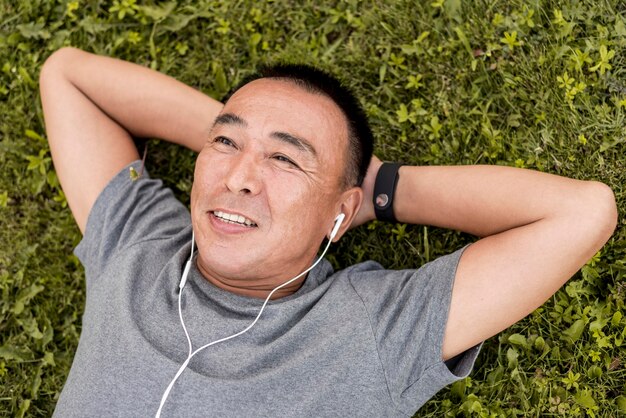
[384,190]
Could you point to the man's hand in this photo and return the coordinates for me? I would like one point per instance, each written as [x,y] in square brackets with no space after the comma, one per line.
[366,212]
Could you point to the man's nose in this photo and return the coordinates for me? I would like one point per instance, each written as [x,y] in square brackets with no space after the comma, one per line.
[243,176]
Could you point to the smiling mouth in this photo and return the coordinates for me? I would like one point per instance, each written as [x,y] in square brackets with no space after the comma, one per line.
[232,218]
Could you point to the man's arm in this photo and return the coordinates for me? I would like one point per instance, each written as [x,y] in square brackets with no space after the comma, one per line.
[93,105]
[538,229]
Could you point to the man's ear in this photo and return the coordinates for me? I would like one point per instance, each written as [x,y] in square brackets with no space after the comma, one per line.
[350,203]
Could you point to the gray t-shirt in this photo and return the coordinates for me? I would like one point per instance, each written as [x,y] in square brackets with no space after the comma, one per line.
[363,341]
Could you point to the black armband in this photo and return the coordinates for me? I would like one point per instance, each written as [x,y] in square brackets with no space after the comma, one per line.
[384,190]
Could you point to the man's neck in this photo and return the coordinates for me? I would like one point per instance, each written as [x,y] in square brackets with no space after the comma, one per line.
[256,290]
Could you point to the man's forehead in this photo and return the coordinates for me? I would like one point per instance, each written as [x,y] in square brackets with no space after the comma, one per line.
[292,114]
[287,90]
[290,103]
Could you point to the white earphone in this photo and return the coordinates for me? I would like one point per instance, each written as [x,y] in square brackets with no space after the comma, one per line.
[338,221]
[190,353]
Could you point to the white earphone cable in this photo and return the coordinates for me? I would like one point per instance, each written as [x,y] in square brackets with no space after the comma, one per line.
[180,314]
[181,285]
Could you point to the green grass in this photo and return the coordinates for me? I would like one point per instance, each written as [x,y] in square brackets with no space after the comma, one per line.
[536,84]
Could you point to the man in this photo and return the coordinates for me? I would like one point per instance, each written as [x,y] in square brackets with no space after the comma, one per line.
[278,164]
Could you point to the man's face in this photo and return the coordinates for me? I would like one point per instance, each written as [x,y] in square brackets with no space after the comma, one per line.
[267,184]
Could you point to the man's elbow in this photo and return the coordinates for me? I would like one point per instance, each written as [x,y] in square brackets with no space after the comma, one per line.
[601,211]
[54,64]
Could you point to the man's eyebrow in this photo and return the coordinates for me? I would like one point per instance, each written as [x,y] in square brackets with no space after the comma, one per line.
[300,143]
[229,119]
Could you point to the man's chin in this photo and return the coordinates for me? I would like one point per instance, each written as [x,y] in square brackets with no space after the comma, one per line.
[228,265]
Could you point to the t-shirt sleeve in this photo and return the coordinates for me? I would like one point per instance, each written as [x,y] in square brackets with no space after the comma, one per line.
[408,312]
[128,212]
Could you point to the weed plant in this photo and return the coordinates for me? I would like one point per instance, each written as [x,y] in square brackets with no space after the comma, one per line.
[532,84]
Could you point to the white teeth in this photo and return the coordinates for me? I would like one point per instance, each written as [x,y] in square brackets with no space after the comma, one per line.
[232,218]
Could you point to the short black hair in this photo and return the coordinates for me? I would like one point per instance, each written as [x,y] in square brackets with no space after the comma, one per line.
[316,81]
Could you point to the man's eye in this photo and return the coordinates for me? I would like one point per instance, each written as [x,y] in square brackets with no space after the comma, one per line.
[223,140]
[282,158]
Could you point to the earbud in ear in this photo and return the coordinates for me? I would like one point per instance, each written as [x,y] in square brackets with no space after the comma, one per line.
[338,221]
